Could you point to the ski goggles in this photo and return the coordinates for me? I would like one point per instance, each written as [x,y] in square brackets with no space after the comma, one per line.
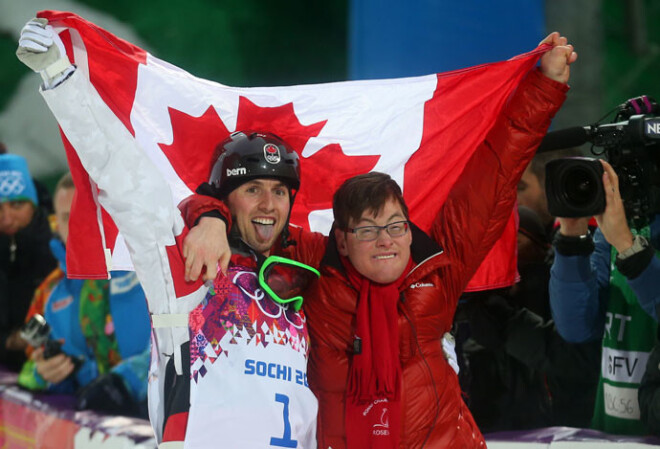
[285,280]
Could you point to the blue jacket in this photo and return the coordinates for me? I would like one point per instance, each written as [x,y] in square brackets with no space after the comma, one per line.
[128,308]
[579,289]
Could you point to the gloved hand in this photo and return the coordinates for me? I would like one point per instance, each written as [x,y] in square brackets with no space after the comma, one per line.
[107,393]
[449,350]
[41,49]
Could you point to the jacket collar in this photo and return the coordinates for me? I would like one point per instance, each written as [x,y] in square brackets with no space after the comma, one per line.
[59,251]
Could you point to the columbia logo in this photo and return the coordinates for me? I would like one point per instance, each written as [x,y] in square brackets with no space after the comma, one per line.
[422,284]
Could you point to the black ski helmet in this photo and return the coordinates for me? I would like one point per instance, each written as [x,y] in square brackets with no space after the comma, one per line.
[247,155]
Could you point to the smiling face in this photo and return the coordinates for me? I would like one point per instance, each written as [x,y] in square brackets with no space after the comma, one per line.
[260,208]
[384,259]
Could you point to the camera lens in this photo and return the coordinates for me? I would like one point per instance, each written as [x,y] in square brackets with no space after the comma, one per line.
[580,187]
[574,187]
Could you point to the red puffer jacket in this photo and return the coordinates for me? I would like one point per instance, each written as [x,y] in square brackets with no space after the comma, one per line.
[433,412]
[473,217]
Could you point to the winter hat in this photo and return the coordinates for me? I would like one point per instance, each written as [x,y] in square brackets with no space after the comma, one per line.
[15,181]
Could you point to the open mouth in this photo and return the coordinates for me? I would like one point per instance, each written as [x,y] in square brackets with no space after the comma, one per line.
[264,227]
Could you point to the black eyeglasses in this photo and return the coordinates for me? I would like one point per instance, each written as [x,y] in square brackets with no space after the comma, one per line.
[370,233]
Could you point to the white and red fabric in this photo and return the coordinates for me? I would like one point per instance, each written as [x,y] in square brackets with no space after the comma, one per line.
[420,130]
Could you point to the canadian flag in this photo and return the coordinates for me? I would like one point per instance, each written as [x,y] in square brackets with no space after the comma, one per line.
[420,130]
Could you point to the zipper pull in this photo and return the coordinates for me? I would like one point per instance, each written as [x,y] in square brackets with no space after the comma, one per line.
[12,249]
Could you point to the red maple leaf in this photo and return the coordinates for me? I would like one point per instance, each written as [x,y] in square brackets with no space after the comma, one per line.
[193,151]
[193,147]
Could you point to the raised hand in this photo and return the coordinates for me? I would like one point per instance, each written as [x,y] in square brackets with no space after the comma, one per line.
[555,63]
[612,222]
[41,49]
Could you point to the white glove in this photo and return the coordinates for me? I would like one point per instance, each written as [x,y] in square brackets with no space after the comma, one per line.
[449,350]
[42,50]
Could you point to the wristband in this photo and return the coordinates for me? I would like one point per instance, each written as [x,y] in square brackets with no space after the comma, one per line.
[580,245]
[635,259]
[639,244]
[58,67]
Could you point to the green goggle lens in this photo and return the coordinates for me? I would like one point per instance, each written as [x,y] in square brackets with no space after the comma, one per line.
[285,280]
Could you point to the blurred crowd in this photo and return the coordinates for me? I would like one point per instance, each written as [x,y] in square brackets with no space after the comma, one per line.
[572,343]
[85,337]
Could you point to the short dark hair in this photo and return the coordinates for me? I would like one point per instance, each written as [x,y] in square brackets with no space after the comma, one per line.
[65,182]
[539,161]
[367,192]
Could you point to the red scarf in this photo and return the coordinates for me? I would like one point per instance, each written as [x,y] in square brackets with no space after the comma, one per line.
[373,403]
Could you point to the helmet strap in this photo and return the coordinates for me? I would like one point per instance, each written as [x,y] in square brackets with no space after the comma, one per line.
[285,231]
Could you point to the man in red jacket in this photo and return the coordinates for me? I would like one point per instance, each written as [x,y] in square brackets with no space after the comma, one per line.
[388,291]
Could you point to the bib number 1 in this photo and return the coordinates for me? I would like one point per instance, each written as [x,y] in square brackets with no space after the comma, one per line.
[285,440]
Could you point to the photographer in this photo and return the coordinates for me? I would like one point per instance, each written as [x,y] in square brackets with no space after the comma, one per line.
[531,189]
[517,371]
[608,287]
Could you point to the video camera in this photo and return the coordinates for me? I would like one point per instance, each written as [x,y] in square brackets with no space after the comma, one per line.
[631,144]
[36,332]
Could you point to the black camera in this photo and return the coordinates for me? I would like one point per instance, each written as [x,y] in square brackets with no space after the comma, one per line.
[574,186]
[36,332]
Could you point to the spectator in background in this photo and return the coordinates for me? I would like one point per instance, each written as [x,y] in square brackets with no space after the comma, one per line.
[104,326]
[25,258]
[534,259]
[569,370]
[531,187]
[520,373]
[607,287]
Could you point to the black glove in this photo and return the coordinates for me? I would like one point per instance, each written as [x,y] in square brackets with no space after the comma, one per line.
[107,393]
